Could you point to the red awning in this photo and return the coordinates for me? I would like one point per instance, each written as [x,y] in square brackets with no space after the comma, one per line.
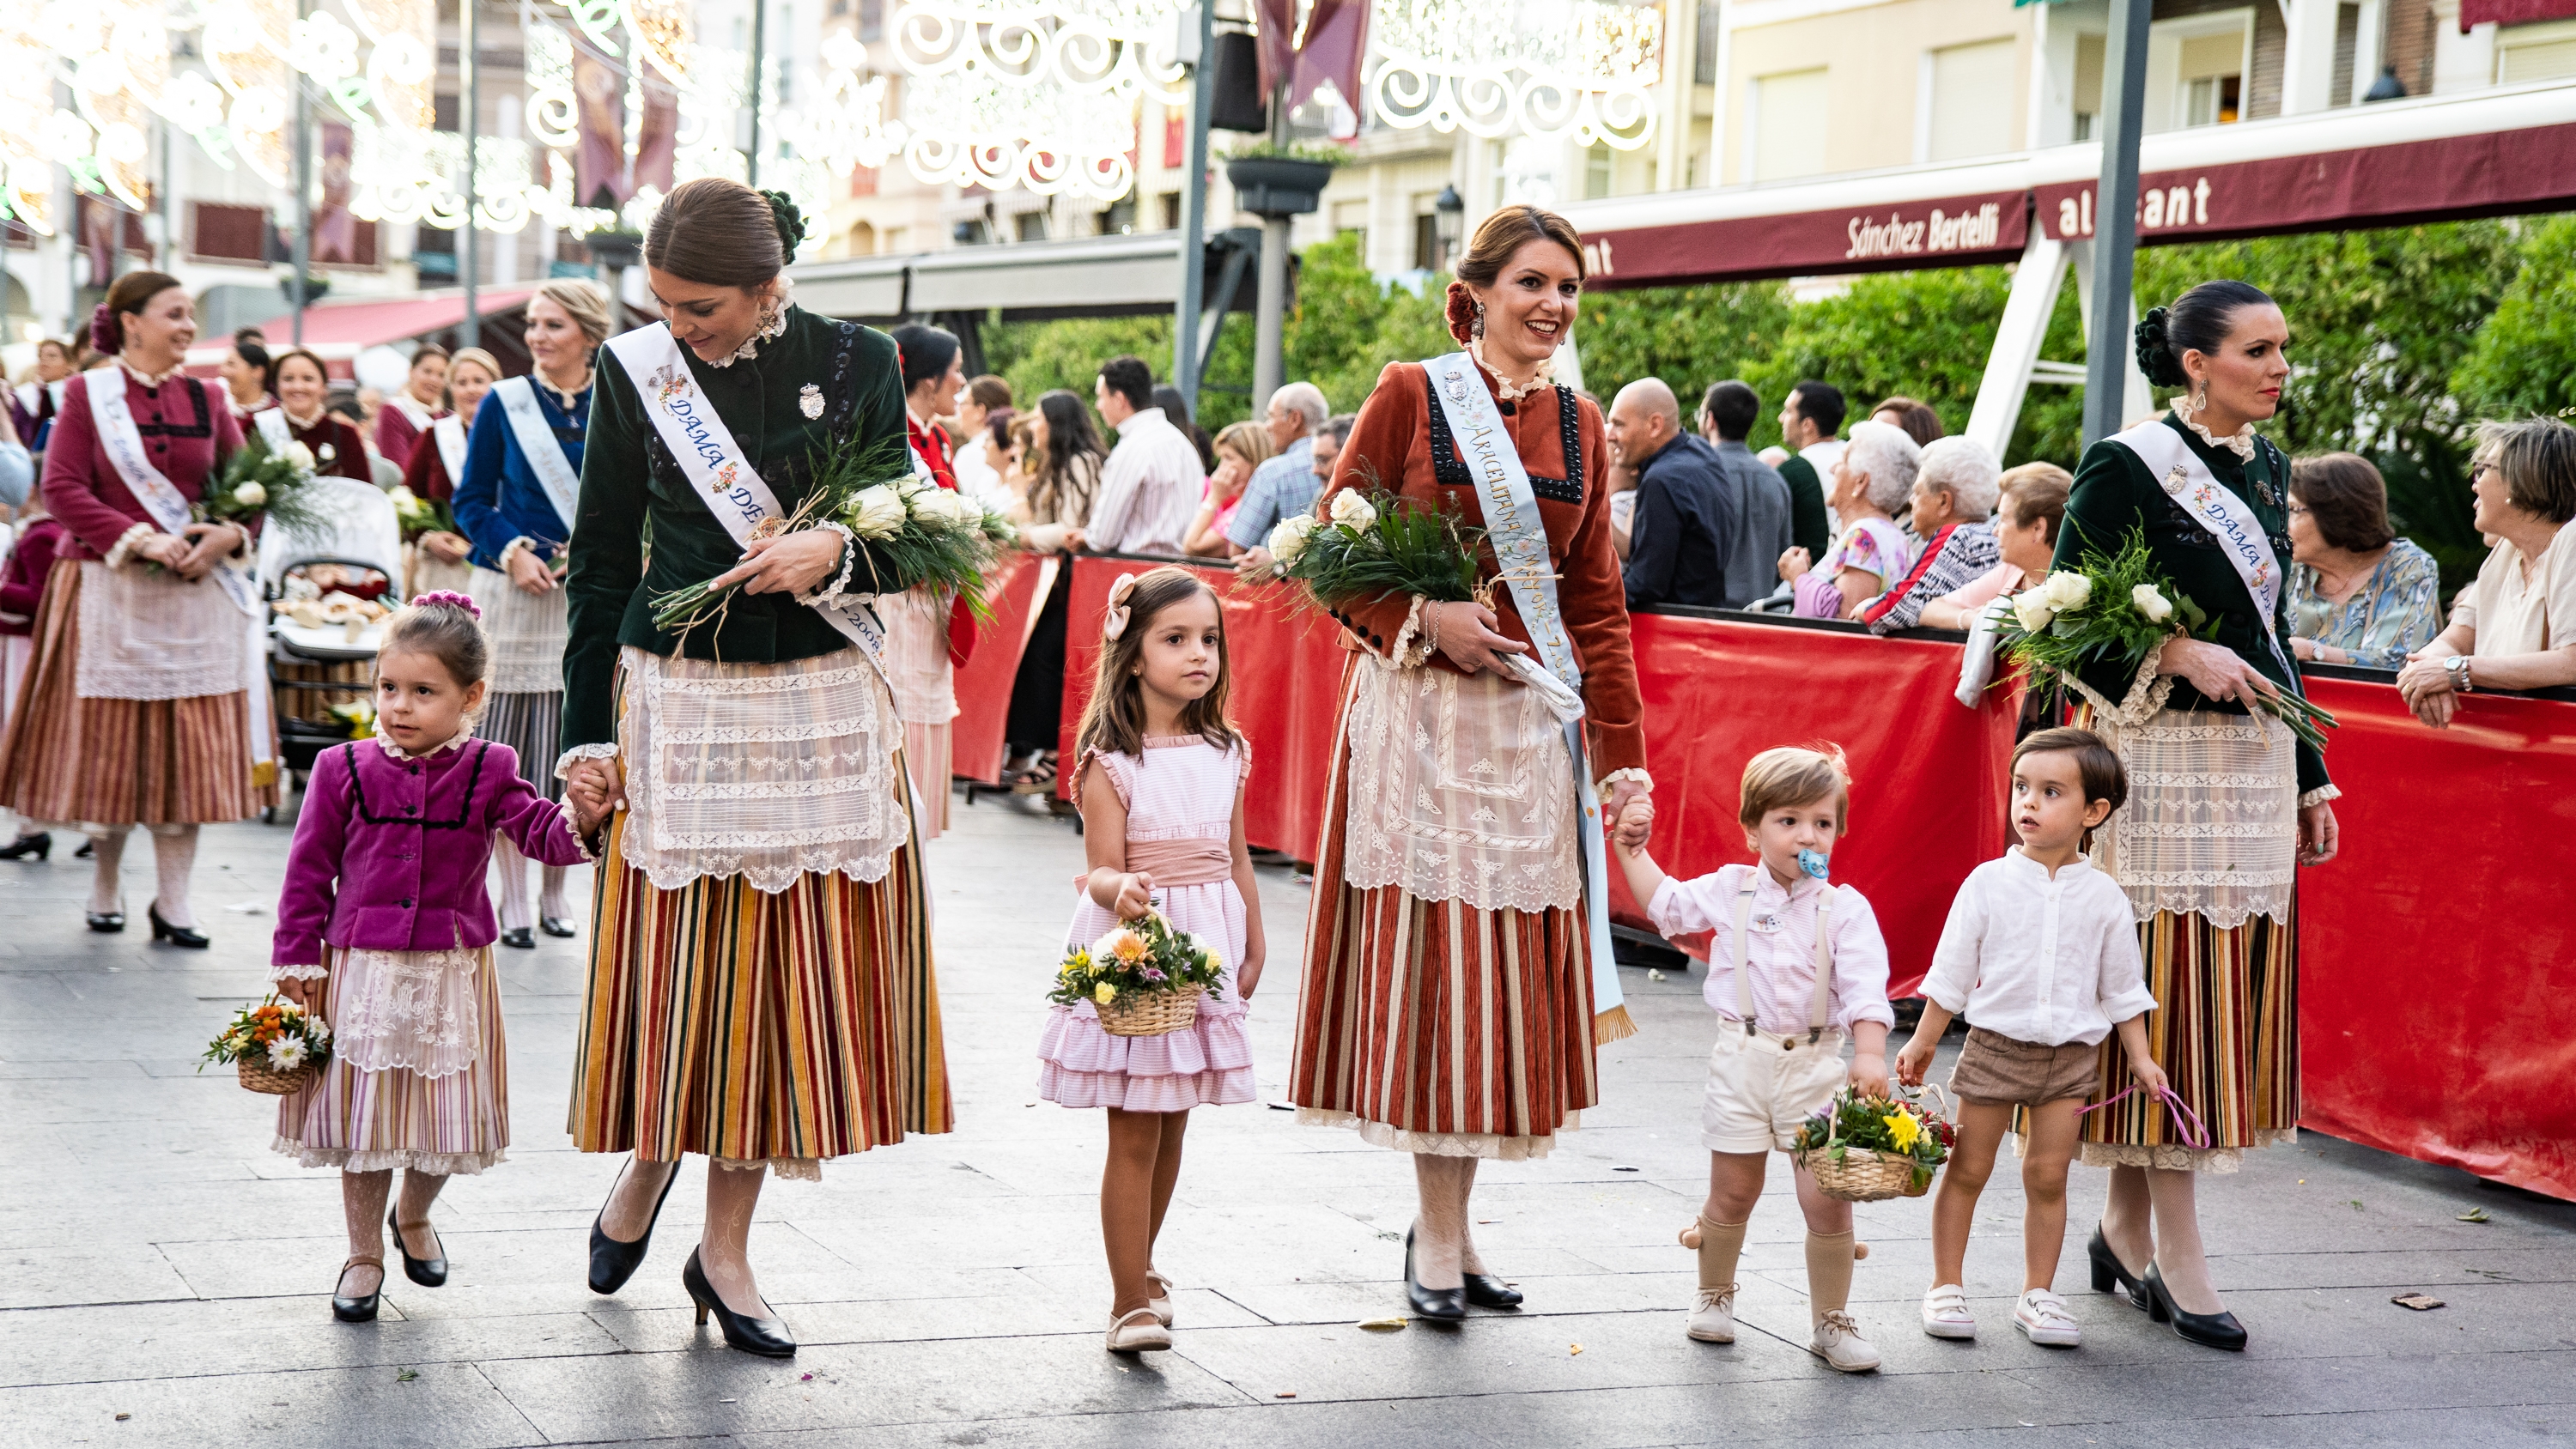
[368,322]
[2489,173]
[1955,231]
[2512,12]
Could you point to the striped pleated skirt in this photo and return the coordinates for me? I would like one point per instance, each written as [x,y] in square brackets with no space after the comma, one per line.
[1433,1026]
[755,1027]
[2226,1029]
[71,760]
[363,1121]
[532,726]
[926,752]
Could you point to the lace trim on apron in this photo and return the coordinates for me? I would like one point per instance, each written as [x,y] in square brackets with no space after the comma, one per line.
[1460,789]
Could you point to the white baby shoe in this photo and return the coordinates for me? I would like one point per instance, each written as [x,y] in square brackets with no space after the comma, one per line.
[1839,1344]
[1712,1315]
[2043,1316]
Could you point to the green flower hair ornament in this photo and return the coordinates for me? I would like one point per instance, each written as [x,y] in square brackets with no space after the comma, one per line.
[790,221]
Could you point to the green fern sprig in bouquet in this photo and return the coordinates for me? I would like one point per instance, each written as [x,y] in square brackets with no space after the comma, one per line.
[1377,544]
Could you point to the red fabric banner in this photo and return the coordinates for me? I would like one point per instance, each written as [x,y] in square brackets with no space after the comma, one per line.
[2437,1005]
[983,683]
[2512,12]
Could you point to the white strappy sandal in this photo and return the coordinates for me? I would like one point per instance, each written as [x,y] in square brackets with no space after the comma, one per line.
[1161,1300]
[1136,1330]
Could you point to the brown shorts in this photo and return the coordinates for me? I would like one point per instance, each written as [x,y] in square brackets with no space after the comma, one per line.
[1996,1068]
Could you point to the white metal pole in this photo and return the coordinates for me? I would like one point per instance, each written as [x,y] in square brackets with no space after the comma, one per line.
[1185,321]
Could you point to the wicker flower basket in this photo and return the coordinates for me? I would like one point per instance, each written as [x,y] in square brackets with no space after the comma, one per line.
[1860,1175]
[260,1077]
[1150,1013]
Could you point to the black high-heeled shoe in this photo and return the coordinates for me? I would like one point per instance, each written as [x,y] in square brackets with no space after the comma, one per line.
[767,1337]
[427,1272]
[106,923]
[360,1309]
[176,935]
[1444,1303]
[556,926]
[1484,1290]
[2108,1271]
[519,938]
[40,845]
[88,850]
[2214,1330]
[613,1262]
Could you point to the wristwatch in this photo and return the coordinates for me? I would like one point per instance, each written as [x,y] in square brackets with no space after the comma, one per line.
[2457,666]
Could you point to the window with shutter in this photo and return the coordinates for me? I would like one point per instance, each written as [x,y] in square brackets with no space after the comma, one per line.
[222,233]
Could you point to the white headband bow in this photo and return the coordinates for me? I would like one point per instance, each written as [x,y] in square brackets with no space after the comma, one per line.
[1114,623]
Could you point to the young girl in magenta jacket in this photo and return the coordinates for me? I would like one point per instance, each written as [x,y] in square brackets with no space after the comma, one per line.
[384,931]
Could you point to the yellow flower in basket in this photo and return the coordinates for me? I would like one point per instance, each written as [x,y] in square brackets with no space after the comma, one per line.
[1904,1128]
[1105,993]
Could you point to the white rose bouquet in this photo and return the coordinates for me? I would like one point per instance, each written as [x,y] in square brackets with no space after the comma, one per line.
[905,531]
[2121,609]
[258,482]
[1371,545]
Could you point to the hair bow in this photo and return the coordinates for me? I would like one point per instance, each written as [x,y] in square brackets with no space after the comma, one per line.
[1115,622]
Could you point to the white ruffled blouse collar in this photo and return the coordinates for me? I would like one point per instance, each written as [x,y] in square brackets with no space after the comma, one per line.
[2240,442]
[396,752]
[1504,387]
[750,347]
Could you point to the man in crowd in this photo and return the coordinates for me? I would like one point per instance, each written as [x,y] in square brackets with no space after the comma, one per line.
[1685,524]
[1326,454]
[1808,422]
[1285,483]
[1764,530]
[1149,488]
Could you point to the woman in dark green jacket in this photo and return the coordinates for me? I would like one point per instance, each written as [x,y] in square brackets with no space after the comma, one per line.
[2223,803]
[760,977]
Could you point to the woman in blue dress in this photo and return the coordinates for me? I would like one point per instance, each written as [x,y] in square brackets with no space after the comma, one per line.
[514,504]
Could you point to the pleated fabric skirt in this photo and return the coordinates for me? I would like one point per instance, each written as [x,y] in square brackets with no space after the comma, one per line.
[531,725]
[759,1028]
[926,754]
[71,760]
[1433,1026]
[2226,1029]
[363,1121]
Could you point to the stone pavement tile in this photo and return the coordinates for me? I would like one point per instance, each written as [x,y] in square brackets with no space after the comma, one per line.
[2487,1428]
[67,1274]
[251,1336]
[1020,1308]
[652,1395]
[100,1069]
[444,1406]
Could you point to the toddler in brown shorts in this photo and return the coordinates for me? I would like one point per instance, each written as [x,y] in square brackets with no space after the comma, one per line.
[2041,955]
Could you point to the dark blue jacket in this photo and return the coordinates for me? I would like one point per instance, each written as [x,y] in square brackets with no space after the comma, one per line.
[1685,526]
[499,498]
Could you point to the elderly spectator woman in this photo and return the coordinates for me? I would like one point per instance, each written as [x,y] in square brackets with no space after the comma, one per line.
[2516,628]
[1953,499]
[1240,448]
[2359,594]
[1873,476]
[2031,504]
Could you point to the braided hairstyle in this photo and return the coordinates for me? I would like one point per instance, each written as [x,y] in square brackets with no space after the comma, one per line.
[2198,321]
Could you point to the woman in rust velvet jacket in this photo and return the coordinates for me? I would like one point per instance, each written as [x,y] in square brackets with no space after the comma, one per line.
[1448,1007]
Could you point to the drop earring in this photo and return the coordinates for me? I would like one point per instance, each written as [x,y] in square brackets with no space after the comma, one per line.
[1479,329]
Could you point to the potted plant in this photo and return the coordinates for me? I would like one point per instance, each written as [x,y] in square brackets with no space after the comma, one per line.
[1272,179]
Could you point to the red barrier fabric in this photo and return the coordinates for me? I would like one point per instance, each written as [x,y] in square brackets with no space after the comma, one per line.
[2437,984]
[2437,1002]
[975,740]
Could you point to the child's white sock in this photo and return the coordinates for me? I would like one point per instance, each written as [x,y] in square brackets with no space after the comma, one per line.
[513,868]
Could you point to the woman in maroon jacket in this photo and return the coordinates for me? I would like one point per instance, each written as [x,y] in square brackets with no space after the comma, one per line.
[303,415]
[137,708]
[22,587]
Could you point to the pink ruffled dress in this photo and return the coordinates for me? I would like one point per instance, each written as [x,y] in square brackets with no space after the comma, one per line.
[1180,829]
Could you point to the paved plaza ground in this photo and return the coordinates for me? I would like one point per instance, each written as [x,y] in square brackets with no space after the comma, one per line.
[163,1276]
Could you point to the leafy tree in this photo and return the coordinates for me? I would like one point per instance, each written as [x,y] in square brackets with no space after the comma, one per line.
[2524,359]
[1688,336]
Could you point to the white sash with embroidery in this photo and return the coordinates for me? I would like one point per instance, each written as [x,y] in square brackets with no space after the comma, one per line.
[449,433]
[274,428]
[117,432]
[1510,510]
[518,399]
[704,448]
[2215,507]
[413,410]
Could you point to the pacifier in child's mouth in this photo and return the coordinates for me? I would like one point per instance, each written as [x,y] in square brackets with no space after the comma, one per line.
[1814,863]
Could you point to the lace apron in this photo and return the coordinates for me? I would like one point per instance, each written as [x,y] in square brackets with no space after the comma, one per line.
[528,634]
[147,634]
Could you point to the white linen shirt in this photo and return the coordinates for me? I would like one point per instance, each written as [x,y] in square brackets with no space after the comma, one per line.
[2040,960]
[1149,489]
[1783,928]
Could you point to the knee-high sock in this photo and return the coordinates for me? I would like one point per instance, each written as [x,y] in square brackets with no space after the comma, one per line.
[108,851]
[550,892]
[174,854]
[514,885]
[1829,1273]
[1720,1244]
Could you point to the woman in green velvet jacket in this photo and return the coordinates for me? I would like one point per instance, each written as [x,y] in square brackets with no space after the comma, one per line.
[760,984]
[2223,804]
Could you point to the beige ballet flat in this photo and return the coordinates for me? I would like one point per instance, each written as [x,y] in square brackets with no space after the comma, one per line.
[1161,1301]
[1136,1330]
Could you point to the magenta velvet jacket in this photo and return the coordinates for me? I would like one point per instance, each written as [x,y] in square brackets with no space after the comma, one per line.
[390,854]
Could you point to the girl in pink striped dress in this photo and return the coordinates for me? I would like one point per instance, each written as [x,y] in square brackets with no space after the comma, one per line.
[1162,814]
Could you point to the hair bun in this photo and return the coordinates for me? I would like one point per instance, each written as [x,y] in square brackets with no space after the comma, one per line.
[448,599]
[790,222]
[104,333]
[2155,350]
[1462,312]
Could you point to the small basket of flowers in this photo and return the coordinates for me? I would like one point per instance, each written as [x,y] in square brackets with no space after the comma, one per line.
[276,1046]
[1143,977]
[1867,1149]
